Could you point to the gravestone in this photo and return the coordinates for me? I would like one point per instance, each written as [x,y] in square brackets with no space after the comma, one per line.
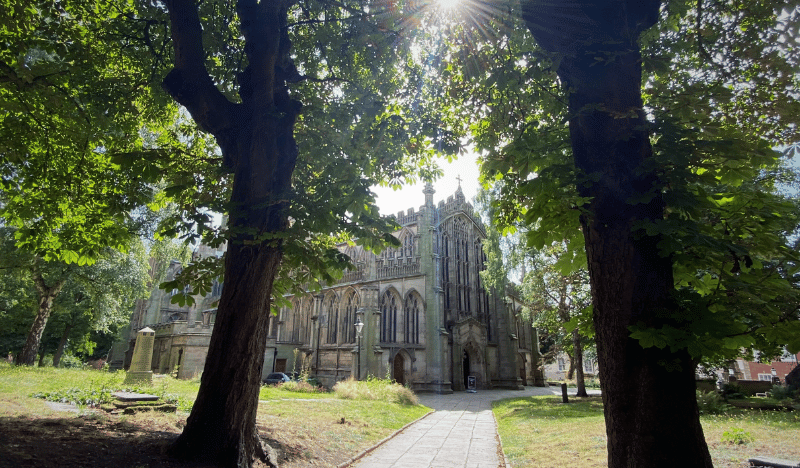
[140,372]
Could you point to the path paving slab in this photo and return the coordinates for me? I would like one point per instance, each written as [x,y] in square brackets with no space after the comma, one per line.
[461,433]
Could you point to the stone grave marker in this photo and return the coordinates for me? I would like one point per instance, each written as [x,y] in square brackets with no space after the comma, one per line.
[139,372]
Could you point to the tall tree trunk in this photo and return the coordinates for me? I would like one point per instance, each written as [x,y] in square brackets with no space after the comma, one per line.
[571,370]
[649,394]
[62,344]
[257,143]
[580,381]
[47,295]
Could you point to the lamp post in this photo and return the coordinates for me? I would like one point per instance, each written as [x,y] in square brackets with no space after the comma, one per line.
[359,326]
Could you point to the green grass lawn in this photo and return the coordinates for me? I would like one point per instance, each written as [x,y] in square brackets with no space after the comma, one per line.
[542,432]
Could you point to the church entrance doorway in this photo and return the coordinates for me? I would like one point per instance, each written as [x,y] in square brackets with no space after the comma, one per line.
[465,368]
[398,373]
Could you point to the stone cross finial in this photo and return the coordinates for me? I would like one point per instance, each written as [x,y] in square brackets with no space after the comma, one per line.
[458,178]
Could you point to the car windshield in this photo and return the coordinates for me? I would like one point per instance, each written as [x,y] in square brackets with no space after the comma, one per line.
[275,376]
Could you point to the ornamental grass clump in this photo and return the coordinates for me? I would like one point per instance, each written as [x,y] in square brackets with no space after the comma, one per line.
[375,389]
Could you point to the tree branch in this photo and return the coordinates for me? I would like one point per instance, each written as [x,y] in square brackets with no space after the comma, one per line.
[189,82]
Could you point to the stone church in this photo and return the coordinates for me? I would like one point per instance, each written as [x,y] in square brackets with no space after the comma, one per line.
[425,320]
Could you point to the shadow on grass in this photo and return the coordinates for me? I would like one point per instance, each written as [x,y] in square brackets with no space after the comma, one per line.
[87,441]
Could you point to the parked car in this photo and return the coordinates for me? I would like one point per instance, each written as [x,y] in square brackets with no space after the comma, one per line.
[276,378]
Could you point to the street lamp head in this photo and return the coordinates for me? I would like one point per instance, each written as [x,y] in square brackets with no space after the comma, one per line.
[359,326]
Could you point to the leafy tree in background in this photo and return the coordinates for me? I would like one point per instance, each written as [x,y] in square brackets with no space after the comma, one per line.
[78,88]
[560,305]
[557,295]
[664,173]
[81,299]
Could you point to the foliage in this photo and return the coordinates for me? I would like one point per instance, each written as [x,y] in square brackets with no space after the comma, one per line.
[782,392]
[711,403]
[78,87]
[94,301]
[374,388]
[91,397]
[737,436]
[300,386]
[358,128]
[729,220]
[732,391]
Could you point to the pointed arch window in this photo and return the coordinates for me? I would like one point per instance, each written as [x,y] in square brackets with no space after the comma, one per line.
[305,328]
[349,318]
[411,322]
[462,268]
[408,245]
[389,306]
[331,306]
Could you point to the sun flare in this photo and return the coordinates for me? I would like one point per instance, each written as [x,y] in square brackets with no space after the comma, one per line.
[448,4]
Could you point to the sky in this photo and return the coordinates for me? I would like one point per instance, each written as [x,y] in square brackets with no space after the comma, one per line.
[391,201]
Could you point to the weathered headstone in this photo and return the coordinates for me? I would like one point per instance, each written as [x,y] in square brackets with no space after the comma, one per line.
[139,372]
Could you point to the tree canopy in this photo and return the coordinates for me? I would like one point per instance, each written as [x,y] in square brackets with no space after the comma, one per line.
[644,133]
[78,86]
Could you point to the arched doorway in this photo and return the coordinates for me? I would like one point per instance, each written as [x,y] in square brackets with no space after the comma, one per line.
[398,372]
[465,368]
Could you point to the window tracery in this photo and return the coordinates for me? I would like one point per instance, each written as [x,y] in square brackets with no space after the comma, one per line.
[411,322]
[332,310]
[389,306]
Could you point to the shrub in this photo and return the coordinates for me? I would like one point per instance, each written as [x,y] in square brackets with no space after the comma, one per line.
[781,392]
[69,361]
[375,389]
[732,391]
[299,386]
[737,436]
[711,403]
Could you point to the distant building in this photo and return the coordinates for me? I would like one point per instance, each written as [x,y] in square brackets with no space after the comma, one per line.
[749,370]
[559,368]
[427,320]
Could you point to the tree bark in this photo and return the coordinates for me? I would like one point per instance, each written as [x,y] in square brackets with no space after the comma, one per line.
[649,394]
[47,295]
[257,143]
[62,344]
[580,380]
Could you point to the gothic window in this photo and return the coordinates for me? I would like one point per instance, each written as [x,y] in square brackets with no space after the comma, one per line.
[305,327]
[480,308]
[332,310]
[216,288]
[462,267]
[283,316]
[520,332]
[389,306]
[411,322]
[446,275]
[297,321]
[408,245]
[349,318]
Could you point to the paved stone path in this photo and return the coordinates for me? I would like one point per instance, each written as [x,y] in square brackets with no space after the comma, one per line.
[461,432]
